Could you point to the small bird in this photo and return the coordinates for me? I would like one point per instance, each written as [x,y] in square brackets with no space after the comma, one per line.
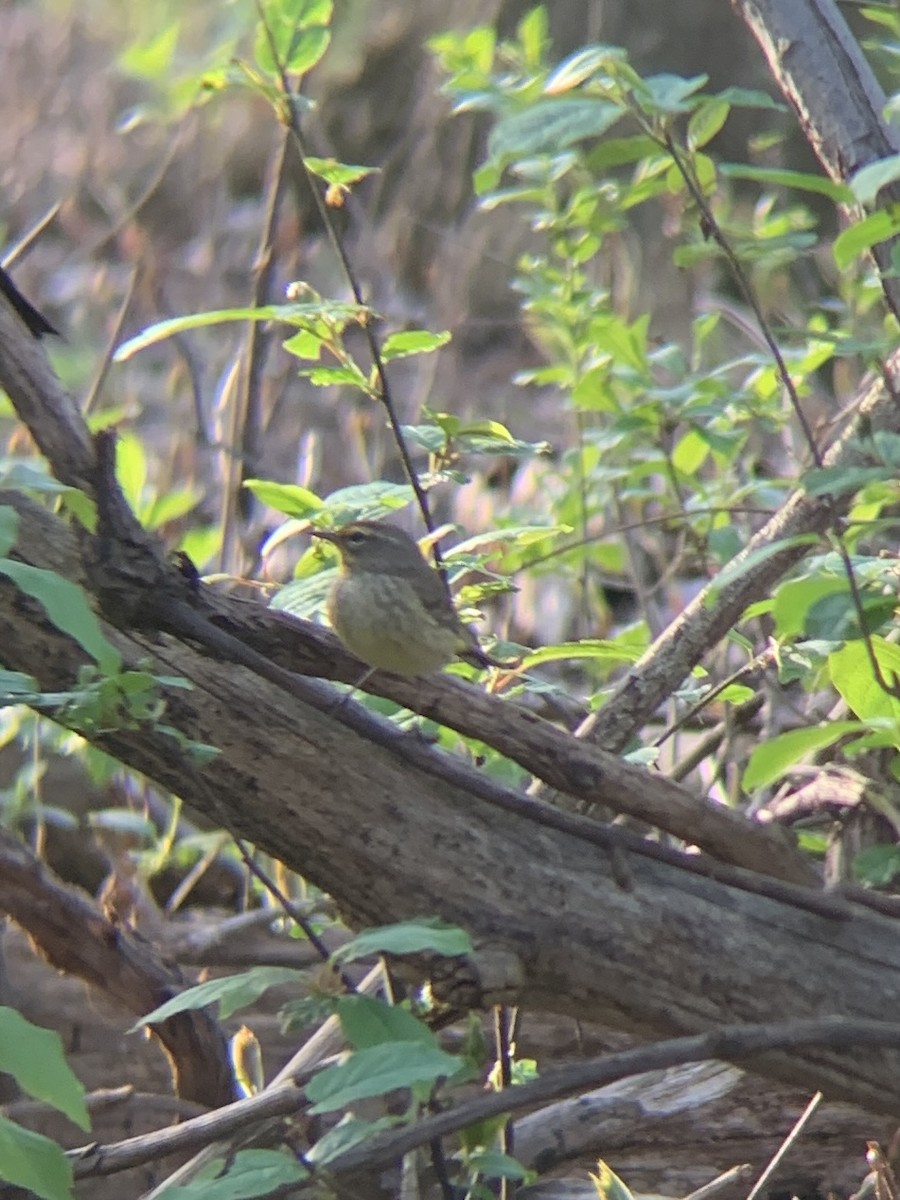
[389,607]
[37,323]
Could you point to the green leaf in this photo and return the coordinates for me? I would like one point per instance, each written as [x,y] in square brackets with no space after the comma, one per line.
[124,820]
[878,227]
[32,476]
[340,173]
[407,937]
[590,648]
[770,760]
[579,67]
[231,993]
[851,674]
[618,152]
[13,684]
[131,468]
[739,97]
[377,1070]
[867,182]
[350,376]
[794,599]
[412,341]
[748,562]
[667,93]
[35,1059]
[67,607]
[492,1164]
[517,535]
[834,616]
[298,314]
[151,60]
[877,866]
[9,528]
[691,452]
[307,50]
[249,1173]
[31,1161]
[367,1021]
[348,1132]
[367,501]
[838,481]
[609,1186]
[171,506]
[550,125]
[304,597]
[802,181]
[288,498]
[294,37]
[706,121]
[533,33]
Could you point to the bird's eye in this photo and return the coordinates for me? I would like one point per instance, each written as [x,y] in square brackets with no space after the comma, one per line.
[356,538]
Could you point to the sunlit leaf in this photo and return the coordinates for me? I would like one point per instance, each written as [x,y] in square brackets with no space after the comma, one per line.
[242,1176]
[367,1021]
[802,181]
[772,758]
[231,993]
[407,937]
[288,498]
[31,1161]
[868,181]
[878,227]
[67,607]
[377,1070]
[35,1059]
[549,125]
[412,341]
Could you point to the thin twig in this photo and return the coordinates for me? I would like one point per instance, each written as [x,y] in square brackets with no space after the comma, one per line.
[775,1162]
[384,389]
[721,1182]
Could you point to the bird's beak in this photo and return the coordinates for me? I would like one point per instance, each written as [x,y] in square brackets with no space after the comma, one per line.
[327,535]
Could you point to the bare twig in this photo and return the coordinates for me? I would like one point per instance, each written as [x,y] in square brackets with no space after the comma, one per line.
[777,1158]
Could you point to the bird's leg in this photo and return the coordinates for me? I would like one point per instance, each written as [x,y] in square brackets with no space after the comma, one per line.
[366,675]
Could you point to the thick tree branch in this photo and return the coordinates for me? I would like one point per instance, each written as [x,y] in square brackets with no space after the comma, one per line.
[138,589]
[390,830]
[390,839]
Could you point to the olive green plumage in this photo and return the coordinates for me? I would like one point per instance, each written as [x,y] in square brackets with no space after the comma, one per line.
[389,607]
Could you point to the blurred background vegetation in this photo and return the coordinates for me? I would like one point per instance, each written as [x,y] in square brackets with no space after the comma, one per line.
[605,408]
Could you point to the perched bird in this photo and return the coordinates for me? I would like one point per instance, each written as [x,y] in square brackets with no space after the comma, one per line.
[37,323]
[389,607]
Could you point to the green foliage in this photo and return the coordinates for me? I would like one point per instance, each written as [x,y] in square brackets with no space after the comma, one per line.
[34,1058]
[390,1048]
[773,758]
[64,602]
[877,866]
[608,1184]
[242,1176]
[407,937]
[376,1070]
[671,449]
[579,149]
[33,1161]
[231,993]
